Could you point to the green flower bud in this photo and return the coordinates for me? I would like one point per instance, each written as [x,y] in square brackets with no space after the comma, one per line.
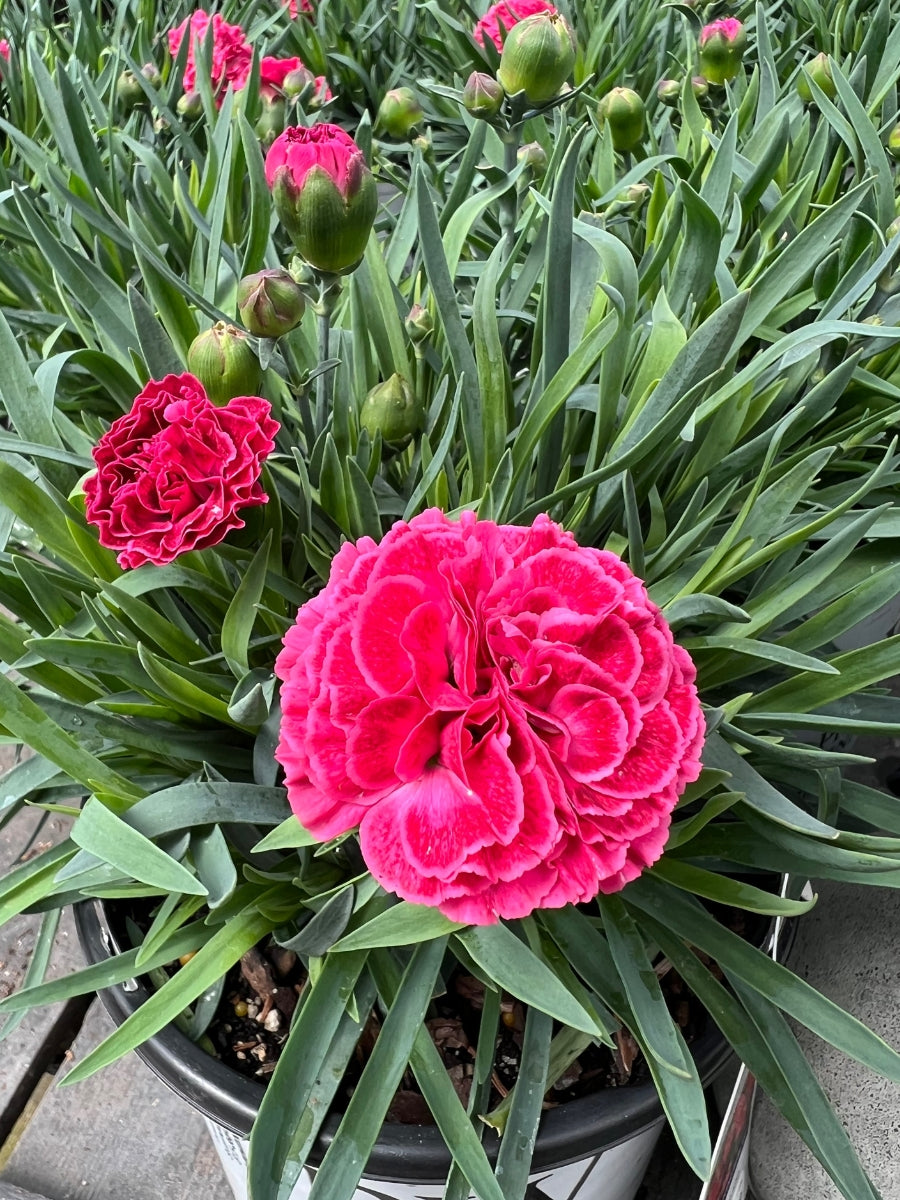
[483,96]
[538,56]
[190,105]
[668,92]
[893,229]
[223,361]
[894,142]
[623,111]
[819,70]
[722,45]
[129,92]
[534,156]
[271,121]
[399,113]
[150,72]
[392,409]
[700,88]
[419,325]
[270,303]
[324,194]
[297,82]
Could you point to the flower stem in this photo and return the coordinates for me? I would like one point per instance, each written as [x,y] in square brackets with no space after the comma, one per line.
[509,201]
[329,290]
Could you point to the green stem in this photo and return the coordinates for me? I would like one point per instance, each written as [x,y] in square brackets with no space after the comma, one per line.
[329,289]
[324,380]
[509,201]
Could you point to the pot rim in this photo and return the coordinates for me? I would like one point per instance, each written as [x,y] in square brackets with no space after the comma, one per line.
[570,1132]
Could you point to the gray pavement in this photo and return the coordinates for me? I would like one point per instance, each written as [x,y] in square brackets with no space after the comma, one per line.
[847,947]
[120,1135]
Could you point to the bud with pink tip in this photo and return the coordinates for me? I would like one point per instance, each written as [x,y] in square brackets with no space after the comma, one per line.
[722,45]
[324,195]
[483,96]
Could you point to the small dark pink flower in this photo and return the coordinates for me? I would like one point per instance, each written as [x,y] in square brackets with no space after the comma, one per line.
[500,18]
[4,49]
[174,473]
[294,9]
[232,54]
[503,713]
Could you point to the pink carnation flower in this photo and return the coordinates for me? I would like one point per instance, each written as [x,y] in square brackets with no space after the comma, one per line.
[730,28]
[506,14]
[232,54]
[503,713]
[294,9]
[4,49]
[175,473]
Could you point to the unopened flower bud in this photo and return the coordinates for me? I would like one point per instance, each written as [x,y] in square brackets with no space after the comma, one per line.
[635,195]
[223,361]
[399,113]
[190,105]
[819,70]
[419,324]
[892,230]
[668,91]
[700,88]
[538,56]
[324,194]
[534,156]
[297,81]
[483,95]
[129,92]
[722,45]
[270,303]
[623,111]
[271,120]
[894,142]
[392,409]
[150,72]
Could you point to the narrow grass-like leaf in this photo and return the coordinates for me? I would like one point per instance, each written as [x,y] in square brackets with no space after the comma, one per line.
[238,622]
[793,995]
[724,890]
[102,833]
[117,969]
[760,794]
[345,1159]
[26,721]
[514,967]
[641,984]
[402,925]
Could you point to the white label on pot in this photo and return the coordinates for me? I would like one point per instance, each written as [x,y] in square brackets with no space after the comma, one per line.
[615,1174]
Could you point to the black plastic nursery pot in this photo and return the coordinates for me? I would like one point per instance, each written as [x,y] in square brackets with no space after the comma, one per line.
[403,1153]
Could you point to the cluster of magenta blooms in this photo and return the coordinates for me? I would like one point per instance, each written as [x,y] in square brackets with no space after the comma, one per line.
[502,713]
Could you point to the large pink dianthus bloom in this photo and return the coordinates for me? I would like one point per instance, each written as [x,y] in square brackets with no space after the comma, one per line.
[503,713]
[506,14]
[232,54]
